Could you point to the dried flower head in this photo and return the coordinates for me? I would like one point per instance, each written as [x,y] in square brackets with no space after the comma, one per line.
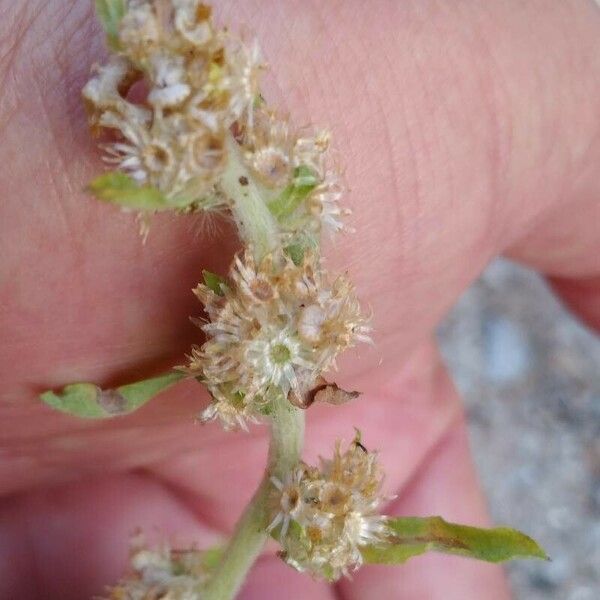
[268,149]
[272,329]
[197,82]
[300,167]
[162,573]
[326,515]
[323,202]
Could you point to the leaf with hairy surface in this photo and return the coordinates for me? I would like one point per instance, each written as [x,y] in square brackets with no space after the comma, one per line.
[411,536]
[88,401]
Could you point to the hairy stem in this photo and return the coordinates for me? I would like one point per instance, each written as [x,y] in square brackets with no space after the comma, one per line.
[258,228]
[255,222]
[249,537]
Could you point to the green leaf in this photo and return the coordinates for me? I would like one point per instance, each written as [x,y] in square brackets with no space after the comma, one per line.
[304,178]
[88,401]
[110,13]
[214,282]
[259,101]
[119,188]
[302,242]
[295,530]
[304,182]
[296,253]
[266,409]
[411,536]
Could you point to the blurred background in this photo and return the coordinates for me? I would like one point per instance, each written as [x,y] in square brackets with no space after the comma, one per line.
[530,376]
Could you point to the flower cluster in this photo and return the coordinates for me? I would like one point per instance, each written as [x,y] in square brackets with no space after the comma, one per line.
[276,156]
[326,515]
[194,83]
[171,95]
[273,328]
[162,573]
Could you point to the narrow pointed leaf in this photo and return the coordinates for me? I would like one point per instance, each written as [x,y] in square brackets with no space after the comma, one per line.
[88,401]
[296,253]
[411,536]
[118,188]
[110,13]
[287,202]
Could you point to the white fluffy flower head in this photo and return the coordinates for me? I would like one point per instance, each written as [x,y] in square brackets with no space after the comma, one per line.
[272,328]
[326,515]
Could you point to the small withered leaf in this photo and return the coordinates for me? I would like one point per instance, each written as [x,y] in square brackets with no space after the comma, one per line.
[333,394]
[305,396]
[322,391]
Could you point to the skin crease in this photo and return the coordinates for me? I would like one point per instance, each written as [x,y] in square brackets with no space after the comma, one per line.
[467,130]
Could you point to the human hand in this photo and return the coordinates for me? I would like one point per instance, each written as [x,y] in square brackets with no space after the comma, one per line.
[467,132]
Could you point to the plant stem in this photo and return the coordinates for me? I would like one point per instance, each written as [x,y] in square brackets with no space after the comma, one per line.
[255,222]
[258,228]
[249,537]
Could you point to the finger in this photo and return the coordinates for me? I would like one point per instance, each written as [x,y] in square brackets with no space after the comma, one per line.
[446,485]
[447,140]
[565,246]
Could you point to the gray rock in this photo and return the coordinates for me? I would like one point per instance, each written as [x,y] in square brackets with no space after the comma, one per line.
[530,376]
